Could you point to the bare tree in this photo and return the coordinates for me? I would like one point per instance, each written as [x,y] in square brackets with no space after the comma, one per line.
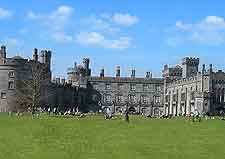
[32,83]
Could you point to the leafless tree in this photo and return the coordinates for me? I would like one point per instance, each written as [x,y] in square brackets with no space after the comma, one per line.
[33,81]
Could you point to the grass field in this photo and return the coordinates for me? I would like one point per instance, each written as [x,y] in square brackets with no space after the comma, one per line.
[96,138]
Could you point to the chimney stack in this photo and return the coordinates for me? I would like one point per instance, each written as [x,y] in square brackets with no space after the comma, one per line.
[3,51]
[35,54]
[147,74]
[203,69]
[117,71]
[102,72]
[133,73]
[57,80]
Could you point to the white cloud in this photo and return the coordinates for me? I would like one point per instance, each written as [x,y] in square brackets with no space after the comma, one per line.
[54,23]
[125,19]
[210,31]
[99,40]
[5,13]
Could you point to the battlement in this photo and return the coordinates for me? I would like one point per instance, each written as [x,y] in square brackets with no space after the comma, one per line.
[190,61]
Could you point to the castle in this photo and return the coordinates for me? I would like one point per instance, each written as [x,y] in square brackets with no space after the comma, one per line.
[182,89]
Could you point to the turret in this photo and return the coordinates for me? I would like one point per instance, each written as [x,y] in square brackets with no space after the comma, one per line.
[133,73]
[203,69]
[86,63]
[117,71]
[2,54]
[189,67]
[35,54]
[102,72]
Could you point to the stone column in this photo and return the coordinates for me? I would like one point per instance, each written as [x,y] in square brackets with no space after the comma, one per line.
[171,104]
[188,103]
[178,102]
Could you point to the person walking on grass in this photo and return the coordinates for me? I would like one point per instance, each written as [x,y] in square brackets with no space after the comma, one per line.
[126,115]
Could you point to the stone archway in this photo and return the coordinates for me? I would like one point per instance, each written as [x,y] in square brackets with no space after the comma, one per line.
[132,110]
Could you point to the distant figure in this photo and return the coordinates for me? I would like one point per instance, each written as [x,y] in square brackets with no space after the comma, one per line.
[49,111]
[127,116]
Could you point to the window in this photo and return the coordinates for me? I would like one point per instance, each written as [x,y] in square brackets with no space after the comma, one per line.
[183,97]
[95,86]
[174,97]
[107,86]
[11,74]
[108,98]
[145,87]
[3,95]
[157,99]
[120,86]
[132,87]
[119,98]
[11,85]
[132,98]
[158,88]
[167,98]
[144,99]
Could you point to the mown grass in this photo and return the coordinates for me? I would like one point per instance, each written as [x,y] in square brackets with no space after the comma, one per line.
[96,138]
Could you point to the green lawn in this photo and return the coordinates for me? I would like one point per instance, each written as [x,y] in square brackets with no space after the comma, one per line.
[96,138]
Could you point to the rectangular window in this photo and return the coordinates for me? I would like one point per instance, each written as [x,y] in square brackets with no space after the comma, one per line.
[158,88]
[145,87]
[3,95]
[144,99]
[132,87]
[132,98]
[119,98]
[11,85]
[95,86]
[120,86]
[157,99]
[11,74]
[107,86]
[108,98]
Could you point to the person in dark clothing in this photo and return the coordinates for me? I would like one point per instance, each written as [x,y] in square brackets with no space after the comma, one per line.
[127,116]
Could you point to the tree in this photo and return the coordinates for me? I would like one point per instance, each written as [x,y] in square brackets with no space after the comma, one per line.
[32,82]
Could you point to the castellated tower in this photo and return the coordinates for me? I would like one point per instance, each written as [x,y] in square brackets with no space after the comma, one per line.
[189,67]
[35,54]
[2,54]
[86,63]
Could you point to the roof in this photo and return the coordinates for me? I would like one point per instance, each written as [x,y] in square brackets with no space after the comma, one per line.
[17,58]
[125,79]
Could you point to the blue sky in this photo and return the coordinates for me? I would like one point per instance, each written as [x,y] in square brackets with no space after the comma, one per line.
[143,35]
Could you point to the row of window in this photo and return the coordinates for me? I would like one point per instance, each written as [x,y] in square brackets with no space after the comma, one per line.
[183,97]
[146,87]
[131,99]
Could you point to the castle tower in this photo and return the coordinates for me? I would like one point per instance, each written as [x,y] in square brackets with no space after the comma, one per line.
[2,54]
[189,67]
[86,63]
[35,54]
[47,58]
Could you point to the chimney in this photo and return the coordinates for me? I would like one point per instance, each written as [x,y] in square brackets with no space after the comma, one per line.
[63,81]
[147,74]
[117,71]
[150,75]
[35,54]
[57,80]
[133,73]
[102,72]
[203,69]
[42,56]
[210,68]
[3,51]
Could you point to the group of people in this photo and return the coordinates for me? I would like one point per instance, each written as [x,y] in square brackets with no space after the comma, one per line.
[109,114]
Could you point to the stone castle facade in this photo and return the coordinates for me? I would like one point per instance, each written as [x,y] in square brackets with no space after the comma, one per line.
[182,89]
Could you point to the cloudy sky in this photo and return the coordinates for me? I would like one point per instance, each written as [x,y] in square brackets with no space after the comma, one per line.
[140,34]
